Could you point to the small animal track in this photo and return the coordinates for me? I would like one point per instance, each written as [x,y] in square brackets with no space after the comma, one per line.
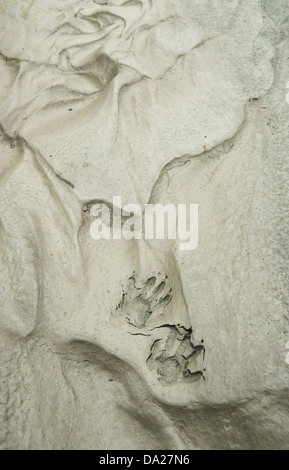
[141,300]
[172,354]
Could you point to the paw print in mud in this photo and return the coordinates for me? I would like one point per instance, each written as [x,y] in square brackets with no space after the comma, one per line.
[173,355]
[141,300]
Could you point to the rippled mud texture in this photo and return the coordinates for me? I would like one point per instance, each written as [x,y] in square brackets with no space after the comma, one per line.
[133,344]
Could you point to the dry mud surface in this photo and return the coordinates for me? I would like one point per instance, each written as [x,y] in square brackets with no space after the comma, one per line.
[135,344]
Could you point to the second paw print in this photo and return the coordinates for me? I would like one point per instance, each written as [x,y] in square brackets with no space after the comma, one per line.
[140,300]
